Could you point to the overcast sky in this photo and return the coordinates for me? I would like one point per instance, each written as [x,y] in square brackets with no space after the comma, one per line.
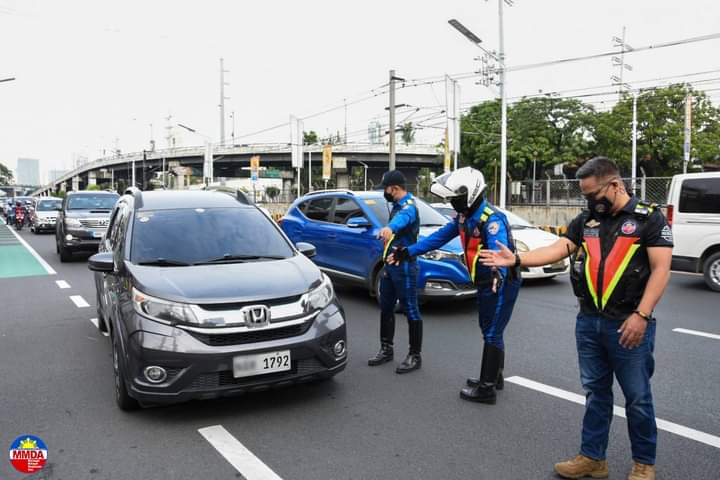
[93,73]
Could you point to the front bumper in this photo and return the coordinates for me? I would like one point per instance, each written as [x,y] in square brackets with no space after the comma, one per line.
[198,370]
[83,239]
[444,279]
[546,271]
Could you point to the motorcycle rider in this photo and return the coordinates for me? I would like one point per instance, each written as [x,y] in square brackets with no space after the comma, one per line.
[480,226]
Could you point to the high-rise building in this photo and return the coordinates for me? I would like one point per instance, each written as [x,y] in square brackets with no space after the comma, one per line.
[27,171]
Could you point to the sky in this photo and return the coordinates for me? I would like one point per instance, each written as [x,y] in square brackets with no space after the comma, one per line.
[94,75]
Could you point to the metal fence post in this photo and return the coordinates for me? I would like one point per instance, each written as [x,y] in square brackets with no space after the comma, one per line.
[643,193]
[547,190]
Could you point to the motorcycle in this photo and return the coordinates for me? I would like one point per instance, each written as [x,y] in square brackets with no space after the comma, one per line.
[19,218]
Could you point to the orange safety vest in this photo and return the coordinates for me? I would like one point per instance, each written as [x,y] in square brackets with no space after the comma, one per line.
[473,244]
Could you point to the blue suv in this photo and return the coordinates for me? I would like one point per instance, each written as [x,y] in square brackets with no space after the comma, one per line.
[343,225]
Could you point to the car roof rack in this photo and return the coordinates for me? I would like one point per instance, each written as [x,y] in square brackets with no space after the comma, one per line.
[333,190]
[136,193]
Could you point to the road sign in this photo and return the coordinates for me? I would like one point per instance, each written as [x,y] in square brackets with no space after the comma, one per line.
[254,167]
[327,162]
[339,163]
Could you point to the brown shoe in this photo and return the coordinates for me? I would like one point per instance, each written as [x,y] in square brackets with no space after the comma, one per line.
[640,471]
[582,466]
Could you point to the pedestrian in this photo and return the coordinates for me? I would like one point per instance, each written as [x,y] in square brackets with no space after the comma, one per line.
[622,249]
[399,282]
[480,225]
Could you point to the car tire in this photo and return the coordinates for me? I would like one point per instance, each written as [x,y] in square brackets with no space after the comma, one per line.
[124,401]
[711,271]
[65,254]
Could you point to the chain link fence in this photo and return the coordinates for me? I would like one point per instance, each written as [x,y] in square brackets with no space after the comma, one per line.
[553,192]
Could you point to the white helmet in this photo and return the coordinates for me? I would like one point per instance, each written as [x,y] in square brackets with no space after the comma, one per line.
[463,188]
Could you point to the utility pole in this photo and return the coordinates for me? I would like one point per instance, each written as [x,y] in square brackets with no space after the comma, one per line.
[345,103]
[634,142]
[688,131]
[619,62]
[392,119]
[503,108]
[456,121]
[222,101]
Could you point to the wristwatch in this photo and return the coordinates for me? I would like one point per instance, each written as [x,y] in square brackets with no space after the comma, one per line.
[643,315]
[517,260]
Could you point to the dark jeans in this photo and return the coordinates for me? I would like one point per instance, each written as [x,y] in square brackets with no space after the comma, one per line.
[601,356]
[495,310]
[399,282]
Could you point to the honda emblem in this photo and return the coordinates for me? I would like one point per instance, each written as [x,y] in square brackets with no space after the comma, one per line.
[256,316]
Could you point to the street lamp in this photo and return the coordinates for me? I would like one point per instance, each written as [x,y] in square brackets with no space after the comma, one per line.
[366,169]
[208,173]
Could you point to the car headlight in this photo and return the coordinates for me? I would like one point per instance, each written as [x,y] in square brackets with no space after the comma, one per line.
[521,246]
[321,296]
[163,311]
[72,222]
[439,255]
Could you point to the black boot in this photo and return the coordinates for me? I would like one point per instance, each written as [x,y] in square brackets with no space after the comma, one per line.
[387,332]
[413,361]
[500,384]
[484,392]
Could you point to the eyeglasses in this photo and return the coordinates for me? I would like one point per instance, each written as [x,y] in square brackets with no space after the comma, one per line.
[593,195]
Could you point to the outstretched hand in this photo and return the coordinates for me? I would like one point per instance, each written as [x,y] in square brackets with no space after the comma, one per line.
[385,234]
[497,258]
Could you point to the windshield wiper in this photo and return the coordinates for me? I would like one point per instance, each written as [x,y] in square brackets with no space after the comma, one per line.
[227,258]
[164,262]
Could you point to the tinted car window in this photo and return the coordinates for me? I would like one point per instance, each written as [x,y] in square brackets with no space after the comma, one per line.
[428,215]
[345,209]
[319,209]
[92,202]
[198,235]
[48,205]
[700,195]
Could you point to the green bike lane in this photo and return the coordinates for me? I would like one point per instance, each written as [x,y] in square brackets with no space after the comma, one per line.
[17,258]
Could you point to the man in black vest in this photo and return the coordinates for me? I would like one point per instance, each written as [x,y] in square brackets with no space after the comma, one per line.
[621,265]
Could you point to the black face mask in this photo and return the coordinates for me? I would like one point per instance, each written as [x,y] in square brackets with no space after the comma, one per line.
[600,208]
[388,197]
[459,204]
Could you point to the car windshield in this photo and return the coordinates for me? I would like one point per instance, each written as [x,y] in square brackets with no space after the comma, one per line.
[429,217]
[517,222]
[92,202]
[213,235]
[48,205]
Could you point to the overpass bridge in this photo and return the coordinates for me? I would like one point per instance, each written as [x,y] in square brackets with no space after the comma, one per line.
[233,161]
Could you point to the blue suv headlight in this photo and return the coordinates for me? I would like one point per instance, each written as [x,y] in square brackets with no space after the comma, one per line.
[439,255]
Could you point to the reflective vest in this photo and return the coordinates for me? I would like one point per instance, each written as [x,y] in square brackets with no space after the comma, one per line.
[473,242]
[609,274]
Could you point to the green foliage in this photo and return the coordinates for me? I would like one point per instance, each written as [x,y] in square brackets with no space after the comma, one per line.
[310,138]
[92,187]
[557,130]
[408,133]
[6,175]
[272,192]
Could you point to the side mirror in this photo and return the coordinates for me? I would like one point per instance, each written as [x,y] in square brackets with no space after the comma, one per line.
[358,222]
[102,262]
[306,249]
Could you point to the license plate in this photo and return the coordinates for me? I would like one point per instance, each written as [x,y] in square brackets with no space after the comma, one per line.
[98,234]
[558,266]
[262,363]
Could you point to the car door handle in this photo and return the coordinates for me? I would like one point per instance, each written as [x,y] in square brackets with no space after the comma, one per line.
[332,235]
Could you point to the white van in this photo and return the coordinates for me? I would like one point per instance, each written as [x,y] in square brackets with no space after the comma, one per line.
[693,211]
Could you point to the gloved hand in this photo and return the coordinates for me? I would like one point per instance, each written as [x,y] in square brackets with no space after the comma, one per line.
[399,254]
[497,280]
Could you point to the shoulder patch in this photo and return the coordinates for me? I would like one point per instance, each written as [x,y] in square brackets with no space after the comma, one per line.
[493,228]
[666,234]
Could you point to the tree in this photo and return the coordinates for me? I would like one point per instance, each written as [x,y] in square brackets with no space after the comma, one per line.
[94,187]
[408,133]
[310,138]
[272,192]
[6,175]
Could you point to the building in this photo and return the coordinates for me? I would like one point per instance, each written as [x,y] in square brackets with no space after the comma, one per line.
[53,175]
[27,171]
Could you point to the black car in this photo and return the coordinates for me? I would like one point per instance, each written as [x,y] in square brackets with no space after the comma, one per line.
[81,222]
[203,296]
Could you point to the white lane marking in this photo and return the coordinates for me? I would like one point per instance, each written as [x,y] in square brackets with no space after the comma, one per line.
[697,332]
[62,284]
[671,427]
[32,251]
[249,466]
[79,301]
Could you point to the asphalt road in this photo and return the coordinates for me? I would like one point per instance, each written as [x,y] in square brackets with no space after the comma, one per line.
[366,423]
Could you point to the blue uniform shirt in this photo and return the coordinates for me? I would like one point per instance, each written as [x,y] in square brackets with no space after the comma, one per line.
[494,229]
[404,222]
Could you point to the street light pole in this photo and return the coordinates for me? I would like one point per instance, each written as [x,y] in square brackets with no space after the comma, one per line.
[634,142]
[366,169]
[392,119]
[503,109]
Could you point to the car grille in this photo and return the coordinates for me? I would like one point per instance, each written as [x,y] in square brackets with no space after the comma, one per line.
[94,222]
[218,307]
[251,336]
[207,381]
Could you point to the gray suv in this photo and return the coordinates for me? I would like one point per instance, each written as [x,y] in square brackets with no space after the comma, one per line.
[81,222]
[203,296]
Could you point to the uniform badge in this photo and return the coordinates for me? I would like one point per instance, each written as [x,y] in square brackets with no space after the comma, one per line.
[629,227]
[592,223]
[666,234]
[494,228]
[476,232]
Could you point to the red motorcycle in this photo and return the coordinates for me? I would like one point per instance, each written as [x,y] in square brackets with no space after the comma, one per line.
[19,218]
